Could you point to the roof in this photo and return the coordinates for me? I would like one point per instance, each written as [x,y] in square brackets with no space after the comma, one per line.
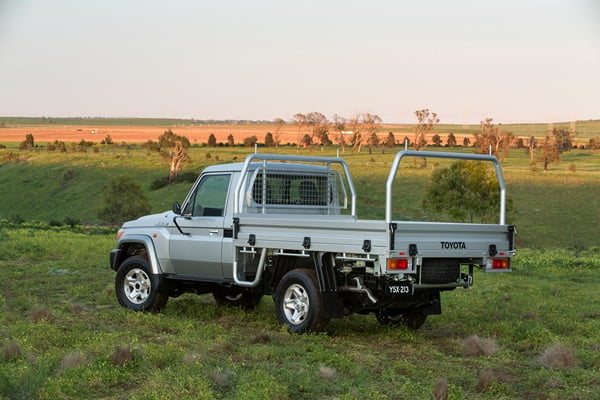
[277,166]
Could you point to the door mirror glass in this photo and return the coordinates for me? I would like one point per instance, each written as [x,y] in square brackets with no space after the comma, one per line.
[177,208]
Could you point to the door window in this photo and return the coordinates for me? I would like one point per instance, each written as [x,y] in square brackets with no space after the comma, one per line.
[209,197]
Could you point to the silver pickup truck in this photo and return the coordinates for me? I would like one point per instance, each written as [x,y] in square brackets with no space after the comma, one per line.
[286,226]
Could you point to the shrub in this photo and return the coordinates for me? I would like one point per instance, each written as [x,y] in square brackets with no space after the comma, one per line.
[11,351]
[70,221]
[250,141]
[558,356]
[123,199]
[122,355]
[28,143]
[474,346]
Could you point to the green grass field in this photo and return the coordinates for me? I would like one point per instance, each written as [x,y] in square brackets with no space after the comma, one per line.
[534,333]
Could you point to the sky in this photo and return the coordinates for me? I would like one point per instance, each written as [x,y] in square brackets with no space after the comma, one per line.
[510,60]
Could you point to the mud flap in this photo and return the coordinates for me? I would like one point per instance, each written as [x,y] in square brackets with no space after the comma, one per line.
[333,305]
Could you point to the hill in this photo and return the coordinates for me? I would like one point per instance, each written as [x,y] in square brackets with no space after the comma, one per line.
[558,208]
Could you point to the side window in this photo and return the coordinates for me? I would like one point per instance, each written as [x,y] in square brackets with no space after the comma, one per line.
[209,197]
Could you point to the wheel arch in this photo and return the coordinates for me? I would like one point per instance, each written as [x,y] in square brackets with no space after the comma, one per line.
[139,245]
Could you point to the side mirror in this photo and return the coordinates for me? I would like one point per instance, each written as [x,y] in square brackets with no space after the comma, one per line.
[177,208]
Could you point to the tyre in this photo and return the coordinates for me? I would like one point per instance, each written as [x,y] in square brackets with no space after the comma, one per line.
[412,319]
[137,287]
[298,302]
[246,301]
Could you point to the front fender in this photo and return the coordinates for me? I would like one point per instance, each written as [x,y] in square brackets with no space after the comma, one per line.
[117,255]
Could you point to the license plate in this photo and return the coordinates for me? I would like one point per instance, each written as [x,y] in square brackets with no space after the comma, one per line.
[399,289]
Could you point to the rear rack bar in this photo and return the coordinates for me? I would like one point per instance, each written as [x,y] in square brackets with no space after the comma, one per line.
[431,154]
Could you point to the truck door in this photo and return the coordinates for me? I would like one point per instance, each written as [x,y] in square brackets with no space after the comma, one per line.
[197,252]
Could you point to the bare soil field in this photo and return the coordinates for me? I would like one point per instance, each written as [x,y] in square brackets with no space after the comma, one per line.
[140,134]
[195,133]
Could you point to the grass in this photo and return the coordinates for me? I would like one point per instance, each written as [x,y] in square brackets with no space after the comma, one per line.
[530,334]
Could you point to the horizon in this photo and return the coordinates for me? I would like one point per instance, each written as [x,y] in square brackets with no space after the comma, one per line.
[514,62]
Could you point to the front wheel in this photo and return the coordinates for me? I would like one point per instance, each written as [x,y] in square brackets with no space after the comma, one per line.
[137,287]
[298,302]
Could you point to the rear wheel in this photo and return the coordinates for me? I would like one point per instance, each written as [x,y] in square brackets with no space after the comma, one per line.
[298,302]
[137,288]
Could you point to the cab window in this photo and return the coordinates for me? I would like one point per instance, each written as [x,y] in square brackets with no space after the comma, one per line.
[209,197]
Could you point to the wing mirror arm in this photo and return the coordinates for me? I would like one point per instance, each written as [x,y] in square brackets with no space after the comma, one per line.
[177,208]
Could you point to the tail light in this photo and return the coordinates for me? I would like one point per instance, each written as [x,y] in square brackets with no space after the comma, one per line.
[501,263]
[398,264]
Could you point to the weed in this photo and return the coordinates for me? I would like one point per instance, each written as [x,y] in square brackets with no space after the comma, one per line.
[261,339]
[558,356]
[327,373]
[122,355]
[71,360]
[25,386]
[474,346]
[11,351]
[40,315]
[440,391]
[223,378]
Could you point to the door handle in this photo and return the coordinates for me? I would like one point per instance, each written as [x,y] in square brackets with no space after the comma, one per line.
[213,233]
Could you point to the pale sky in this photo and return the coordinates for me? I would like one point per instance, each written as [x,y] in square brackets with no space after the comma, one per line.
[510,60]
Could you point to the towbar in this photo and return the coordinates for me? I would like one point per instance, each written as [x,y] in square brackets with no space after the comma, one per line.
[457,156]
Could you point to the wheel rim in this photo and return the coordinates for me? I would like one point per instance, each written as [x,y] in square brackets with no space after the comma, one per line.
[137,286]
[296,304]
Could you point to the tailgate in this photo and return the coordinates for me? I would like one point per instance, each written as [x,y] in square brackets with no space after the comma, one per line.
[471,243]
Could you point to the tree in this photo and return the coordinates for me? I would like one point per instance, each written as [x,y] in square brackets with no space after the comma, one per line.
[436,140]
[278,125]
[306,140]
[340,127]
[557,142]
[28,143]
[355,124]
[212,140]
[463,191]
[494,136]
[300,121]
[269,141]
[451,141]
[173,148]
[372,141]
[318,127]
[426,120]
[230,141]
[122,200]
[371,123]
[250,141]
[390,141]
